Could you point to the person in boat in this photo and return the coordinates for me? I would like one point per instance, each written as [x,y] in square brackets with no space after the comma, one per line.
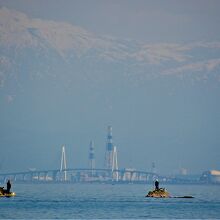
[156,184]
[2,190]
[8,186]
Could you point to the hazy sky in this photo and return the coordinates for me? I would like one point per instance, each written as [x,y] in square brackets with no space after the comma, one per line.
[172,123]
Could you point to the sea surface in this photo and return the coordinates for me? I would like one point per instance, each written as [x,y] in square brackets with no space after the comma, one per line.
[106,201]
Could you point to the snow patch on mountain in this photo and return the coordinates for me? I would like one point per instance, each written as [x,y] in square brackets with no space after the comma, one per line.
[205,66]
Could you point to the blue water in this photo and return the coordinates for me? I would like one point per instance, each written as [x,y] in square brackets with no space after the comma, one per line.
[92,201]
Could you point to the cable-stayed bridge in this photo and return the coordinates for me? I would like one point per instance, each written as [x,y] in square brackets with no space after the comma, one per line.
[80,175]
[86,175]
[111,172]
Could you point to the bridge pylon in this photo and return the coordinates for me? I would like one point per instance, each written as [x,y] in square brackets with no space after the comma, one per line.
[92,157]
[109,149]
[63,163]
[115,164]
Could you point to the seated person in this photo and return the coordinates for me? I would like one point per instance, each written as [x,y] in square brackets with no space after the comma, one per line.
[2,190]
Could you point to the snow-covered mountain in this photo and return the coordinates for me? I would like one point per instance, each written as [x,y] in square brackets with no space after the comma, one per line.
[35,48]
[18,30]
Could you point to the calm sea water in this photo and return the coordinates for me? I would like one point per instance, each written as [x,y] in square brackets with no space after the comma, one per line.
[92,201]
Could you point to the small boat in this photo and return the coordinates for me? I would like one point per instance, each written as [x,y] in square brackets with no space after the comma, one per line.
[159,193]
[4,193]
[11,194]
[163,193]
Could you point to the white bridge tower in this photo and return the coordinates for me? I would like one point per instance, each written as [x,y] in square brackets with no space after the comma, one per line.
[115,175]
[63,162]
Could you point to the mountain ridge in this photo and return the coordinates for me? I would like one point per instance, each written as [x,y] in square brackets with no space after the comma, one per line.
[44,44]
